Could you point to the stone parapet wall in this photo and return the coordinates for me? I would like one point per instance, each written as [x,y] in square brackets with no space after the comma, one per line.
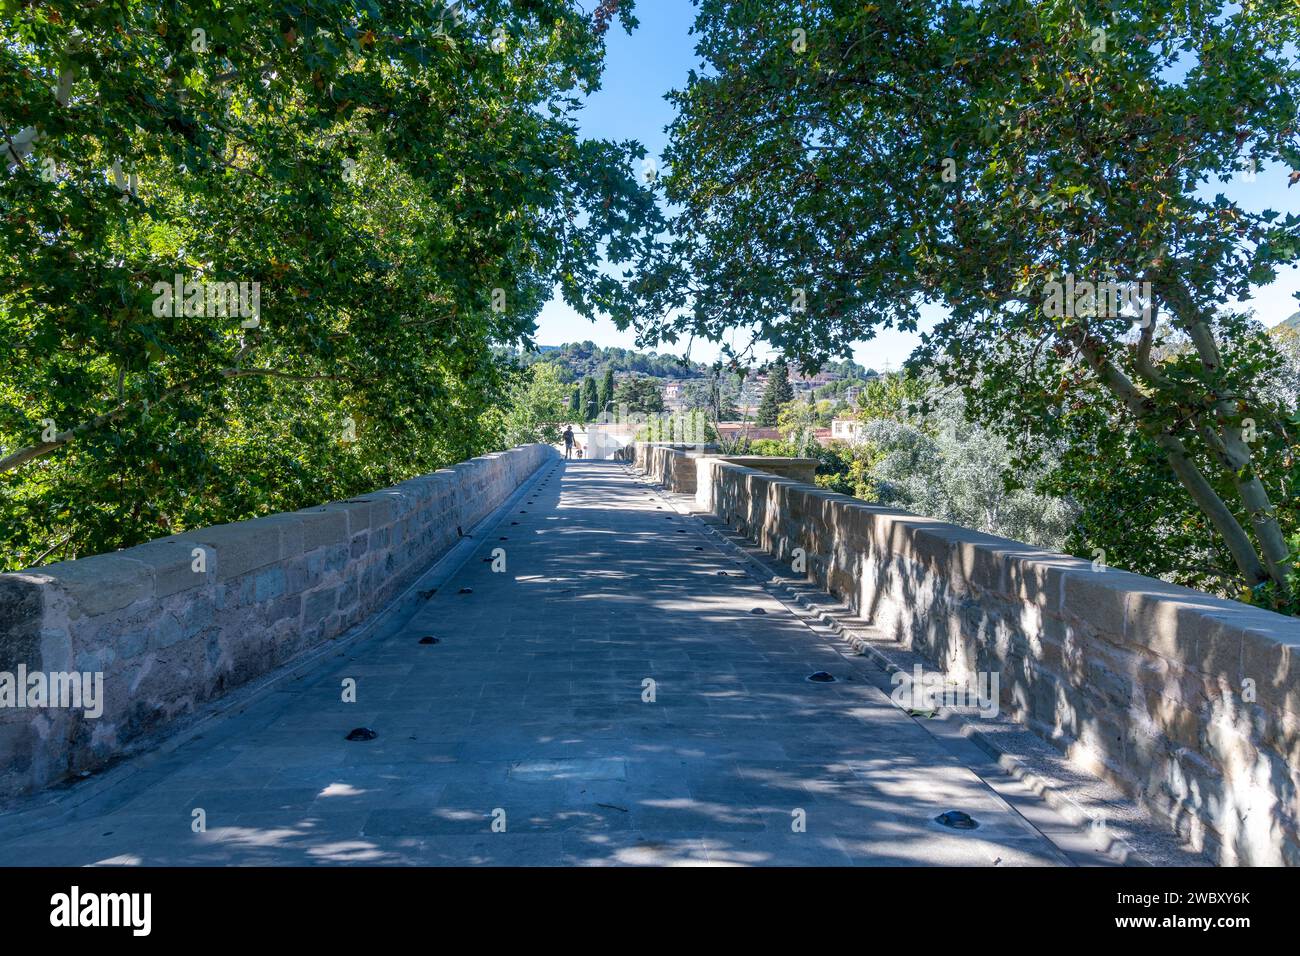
[675,466]
[672,466]
[798,469]
[177,622]
[1189,702]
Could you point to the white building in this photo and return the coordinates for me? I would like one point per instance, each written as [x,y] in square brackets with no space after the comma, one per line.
[674,395]
[845,429]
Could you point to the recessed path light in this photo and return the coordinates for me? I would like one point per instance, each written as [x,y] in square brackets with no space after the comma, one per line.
[957,820]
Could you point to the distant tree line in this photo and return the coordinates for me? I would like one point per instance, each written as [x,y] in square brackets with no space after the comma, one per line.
[581,359]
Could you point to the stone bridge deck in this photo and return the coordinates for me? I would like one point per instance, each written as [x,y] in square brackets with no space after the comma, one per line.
[529,712]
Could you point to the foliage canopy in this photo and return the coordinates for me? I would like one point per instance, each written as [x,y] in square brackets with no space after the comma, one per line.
[403,189]
[839,164]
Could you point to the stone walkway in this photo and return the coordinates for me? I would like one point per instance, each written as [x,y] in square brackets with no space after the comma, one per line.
[530,713]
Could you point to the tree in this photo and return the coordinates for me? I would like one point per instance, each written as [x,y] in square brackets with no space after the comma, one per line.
[586,358]
[640,395]
[605,394]
[1284,386]
[716,395]
[393,198]
[776,393]
[1008,160]
[590,400]
[897,396]
[699,394]
[942,465]
[725,394]
[804,417]
[840,386]
[575,400]
[537,407]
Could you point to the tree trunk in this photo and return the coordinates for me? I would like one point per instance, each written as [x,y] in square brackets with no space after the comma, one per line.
[1225,438]
[1244,553]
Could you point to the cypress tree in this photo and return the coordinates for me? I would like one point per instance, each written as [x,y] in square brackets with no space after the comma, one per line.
[784,390]
[606,393]
[776,393]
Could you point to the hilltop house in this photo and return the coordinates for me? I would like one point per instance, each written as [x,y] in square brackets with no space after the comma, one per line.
[846,429]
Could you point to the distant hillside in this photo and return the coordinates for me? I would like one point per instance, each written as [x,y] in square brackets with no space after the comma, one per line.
[579,359]
[1293,322]
[846,369]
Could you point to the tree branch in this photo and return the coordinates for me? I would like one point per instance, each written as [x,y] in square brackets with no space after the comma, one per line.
[1234,535]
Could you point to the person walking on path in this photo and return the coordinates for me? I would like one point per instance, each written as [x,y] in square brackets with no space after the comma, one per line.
[568,441]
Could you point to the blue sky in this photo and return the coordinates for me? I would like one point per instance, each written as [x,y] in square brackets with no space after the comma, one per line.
[657,57]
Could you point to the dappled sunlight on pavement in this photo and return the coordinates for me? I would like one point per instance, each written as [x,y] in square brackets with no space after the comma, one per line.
[608,699]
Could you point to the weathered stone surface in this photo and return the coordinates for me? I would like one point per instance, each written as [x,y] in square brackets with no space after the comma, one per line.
[800,469]
[239,547]
[1187,701]
[21,611]
[168,638]
[173,563]
[533,704]
[675,466]
[322,527]
[1098,598]
[319,604]
[355,511]
[101,583]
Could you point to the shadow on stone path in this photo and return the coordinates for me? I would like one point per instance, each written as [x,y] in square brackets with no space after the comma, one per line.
[532,713]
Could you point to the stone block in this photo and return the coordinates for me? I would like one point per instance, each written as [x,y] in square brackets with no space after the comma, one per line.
[56,649]
[1036,578]
[268,584]
[319,604]
[322,527]
[200,614]
[287,608]
[239,547]
[93,660]
[803,470]
[173,565]
[1219,646]
[347,593]
[1181,724]
[1270,657]
[356,511]
[360,545]
[293,534]
[382,510]
[22,609]
[167,631]
[131,643]
[1168,620]
[1097,598]
[103,582]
